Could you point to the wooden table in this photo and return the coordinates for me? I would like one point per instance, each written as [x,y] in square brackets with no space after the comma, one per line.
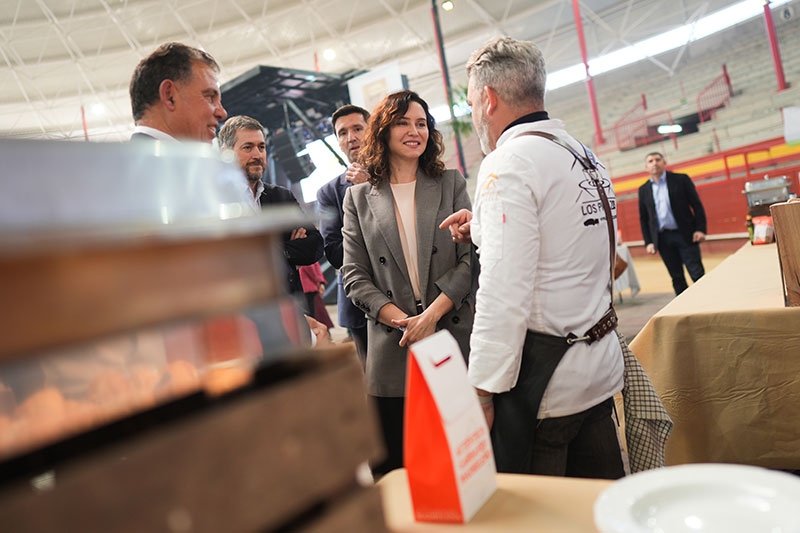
[521,504]
[725,358]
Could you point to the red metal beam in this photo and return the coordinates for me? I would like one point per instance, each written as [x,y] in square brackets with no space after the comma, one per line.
[448,91]
[83,121]
[598,131]
[773,46]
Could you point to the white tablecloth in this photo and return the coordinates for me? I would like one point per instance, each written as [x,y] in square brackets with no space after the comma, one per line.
[628,279]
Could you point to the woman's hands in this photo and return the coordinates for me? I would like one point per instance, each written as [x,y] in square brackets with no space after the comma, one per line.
[424,324]
[416,327]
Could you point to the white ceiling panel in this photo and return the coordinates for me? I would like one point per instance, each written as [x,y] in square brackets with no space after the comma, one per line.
[56,55]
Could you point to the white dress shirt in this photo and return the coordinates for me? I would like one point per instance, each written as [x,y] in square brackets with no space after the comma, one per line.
[666,220]
[154,133]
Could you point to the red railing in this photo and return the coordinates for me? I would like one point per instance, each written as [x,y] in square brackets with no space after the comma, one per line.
[751,168]
[759,167]
[637,110]
[715,95]
[643,130]
[635,128]
[720,187]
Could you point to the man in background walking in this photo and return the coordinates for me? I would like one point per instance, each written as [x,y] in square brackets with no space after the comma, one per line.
[673,220]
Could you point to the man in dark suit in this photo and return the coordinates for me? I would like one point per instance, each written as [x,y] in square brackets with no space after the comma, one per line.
[349,125]
[244,136]
[673,220]
[175,95]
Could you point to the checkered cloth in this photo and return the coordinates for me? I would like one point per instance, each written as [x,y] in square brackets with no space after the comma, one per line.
[647,424]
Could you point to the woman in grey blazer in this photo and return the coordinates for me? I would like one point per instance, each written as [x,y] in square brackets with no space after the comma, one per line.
[406,274]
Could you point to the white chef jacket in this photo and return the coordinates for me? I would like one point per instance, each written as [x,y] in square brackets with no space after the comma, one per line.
[542,240]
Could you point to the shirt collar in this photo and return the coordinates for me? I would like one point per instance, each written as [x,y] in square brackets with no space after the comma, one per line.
[154,133]
[661,180]
[531,117]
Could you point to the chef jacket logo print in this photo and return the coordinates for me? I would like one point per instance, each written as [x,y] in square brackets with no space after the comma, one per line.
[490,192]
[490,183]
[589,198]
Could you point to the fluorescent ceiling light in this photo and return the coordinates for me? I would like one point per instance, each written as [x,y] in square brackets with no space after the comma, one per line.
[327,166]
[566,76]
[669,40]
[664,129]
[97,109]
[730,16]
[441,114]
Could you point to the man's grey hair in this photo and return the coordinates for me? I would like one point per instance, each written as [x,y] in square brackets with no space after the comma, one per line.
[514,69]
[227,134]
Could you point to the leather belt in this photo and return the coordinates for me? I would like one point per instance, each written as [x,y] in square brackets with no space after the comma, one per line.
[607,323]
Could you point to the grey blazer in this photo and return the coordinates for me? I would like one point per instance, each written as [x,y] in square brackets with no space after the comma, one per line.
[375,270]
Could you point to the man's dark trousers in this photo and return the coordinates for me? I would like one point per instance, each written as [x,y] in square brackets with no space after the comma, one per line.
[676,252]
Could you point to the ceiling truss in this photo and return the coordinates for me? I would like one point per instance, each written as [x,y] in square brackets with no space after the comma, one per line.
[61,57]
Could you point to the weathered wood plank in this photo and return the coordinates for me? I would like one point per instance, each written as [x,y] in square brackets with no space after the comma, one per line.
[786,219]
[253,462]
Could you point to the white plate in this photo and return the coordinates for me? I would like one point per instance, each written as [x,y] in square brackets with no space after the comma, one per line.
[701,498]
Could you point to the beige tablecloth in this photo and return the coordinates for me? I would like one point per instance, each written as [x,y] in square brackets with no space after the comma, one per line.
[521,504]
[725,358]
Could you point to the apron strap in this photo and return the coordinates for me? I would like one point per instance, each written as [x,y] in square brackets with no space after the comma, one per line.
[608,322]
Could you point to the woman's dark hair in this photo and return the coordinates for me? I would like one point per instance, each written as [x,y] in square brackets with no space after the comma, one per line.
[374,154]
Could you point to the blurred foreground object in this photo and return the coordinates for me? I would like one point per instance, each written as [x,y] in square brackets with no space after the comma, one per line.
[786,221]
[700,497]
[143,334]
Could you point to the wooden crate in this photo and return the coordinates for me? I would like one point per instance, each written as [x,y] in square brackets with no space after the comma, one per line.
[786,220]
[94,283]
[281,453]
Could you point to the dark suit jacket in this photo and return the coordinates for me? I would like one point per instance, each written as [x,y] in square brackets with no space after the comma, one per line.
[375,271]
[299,251]
[330,198]
[686,208]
